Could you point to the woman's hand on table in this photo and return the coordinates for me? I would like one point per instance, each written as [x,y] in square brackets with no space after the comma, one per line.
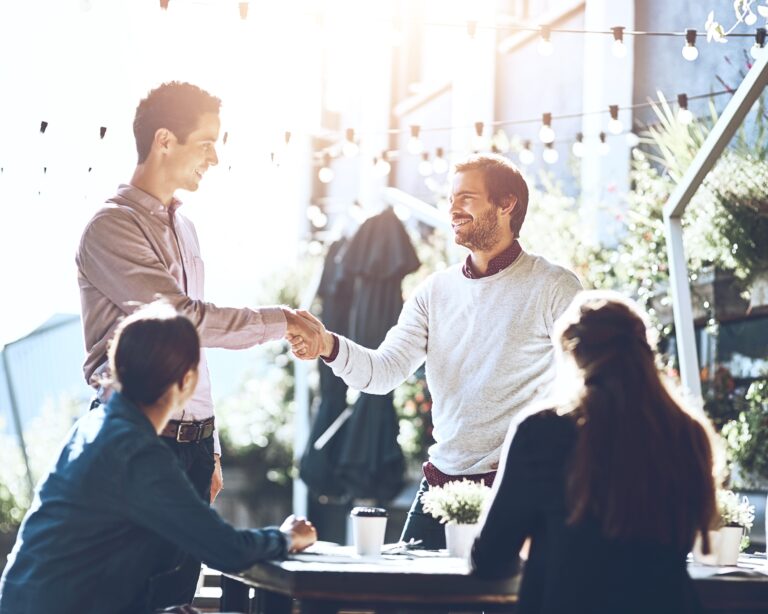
[299,532]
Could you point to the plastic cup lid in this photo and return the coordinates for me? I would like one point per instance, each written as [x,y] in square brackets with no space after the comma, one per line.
[371,512]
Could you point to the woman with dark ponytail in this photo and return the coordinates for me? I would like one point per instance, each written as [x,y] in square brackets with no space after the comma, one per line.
[612,487]
[117,512]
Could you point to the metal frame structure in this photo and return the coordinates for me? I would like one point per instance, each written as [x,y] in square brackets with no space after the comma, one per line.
[732,117]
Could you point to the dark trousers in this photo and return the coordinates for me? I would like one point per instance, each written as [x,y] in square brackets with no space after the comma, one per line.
[420,525]
[177,585]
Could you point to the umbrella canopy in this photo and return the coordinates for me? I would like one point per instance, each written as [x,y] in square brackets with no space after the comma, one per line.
[371,463]
[317,465]
[362,299]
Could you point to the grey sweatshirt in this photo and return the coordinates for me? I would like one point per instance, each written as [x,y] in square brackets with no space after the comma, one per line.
[488,350]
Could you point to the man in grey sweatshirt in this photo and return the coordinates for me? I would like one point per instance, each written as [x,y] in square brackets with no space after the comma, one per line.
[483,326]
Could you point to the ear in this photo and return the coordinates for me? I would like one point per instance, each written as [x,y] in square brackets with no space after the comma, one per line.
[509,205]
[188,382]
[163,140]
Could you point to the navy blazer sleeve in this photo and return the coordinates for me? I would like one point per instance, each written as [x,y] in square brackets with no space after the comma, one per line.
[529,485]
[159,496]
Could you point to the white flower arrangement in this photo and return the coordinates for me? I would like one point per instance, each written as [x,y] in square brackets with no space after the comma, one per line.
[735,512]
[457,502]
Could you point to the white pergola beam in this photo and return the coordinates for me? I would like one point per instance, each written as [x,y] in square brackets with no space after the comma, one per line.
[714,145]
[730,120]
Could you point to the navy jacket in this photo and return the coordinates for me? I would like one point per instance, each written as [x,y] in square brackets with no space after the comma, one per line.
[570,569]
[91,541]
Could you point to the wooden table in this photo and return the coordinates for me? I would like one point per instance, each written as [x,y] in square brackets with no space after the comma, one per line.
[424,581]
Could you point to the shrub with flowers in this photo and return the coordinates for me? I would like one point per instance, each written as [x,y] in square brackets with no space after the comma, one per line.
[457,502]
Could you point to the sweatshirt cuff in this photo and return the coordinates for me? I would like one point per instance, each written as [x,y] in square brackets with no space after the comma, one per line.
[334,352]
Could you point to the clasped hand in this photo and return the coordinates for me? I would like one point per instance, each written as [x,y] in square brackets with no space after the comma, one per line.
[307,335]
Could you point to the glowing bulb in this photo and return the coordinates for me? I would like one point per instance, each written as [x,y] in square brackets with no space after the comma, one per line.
[546,134]
[550,155]
[756,51]
[382,167]
[326,174]
[440,164]
[545,47]
[350,149]
[526,155]
[684,116]
[619,49]
[425,167]
[615,126]
[690,52]
[415,146]
[632,139]
[578,149]
[603,148]
[750,19]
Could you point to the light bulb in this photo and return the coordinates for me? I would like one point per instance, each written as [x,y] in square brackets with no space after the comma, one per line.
[415,146]
[578,149]
[690,52]
[603,149]
[382,167]
[545,47]
[326,174]
[550,155]
[440,165]
[619,49]
[684,116]
[546,134]
[425,168]
[526,156]
[756,51]
[350,149]
[615,126]
[632,139]
[750,19]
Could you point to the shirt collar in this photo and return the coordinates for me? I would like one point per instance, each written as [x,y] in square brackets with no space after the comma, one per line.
[147,201]
[496,265]
[120,406]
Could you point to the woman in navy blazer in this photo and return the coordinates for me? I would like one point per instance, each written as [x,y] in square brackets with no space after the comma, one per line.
[611,488]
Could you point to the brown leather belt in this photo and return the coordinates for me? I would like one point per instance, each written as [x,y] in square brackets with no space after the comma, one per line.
[188,431]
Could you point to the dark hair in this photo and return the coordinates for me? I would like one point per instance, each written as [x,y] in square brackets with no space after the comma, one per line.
[175,106]
[642,465]
[503,181]
[153,348]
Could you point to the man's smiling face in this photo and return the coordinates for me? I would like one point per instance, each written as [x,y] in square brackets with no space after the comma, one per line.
[475,220]
[188,161]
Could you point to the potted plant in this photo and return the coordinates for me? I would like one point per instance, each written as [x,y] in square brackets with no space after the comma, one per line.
[458,505]
[736,517]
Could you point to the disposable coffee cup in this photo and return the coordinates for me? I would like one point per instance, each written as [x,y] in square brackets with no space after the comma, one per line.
[368,527]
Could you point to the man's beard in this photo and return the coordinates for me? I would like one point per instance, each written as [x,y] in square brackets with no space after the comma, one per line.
[483,233]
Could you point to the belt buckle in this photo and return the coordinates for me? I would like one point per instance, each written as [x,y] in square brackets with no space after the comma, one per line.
[182,429]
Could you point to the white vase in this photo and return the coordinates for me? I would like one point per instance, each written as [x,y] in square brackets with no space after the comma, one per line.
[724,546]
[459,539]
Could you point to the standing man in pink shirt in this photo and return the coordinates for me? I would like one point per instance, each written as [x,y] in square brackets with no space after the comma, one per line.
[139,247]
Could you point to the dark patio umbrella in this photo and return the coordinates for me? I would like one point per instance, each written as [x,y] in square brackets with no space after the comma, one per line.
[371,463]
[318,464]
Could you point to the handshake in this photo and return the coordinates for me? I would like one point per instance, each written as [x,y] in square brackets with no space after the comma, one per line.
[307,335]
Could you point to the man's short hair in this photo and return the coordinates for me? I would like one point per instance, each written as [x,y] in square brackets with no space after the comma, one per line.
[503,181]
[175,106]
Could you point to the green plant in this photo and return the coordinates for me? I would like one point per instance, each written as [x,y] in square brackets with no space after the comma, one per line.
[457,502]
[746,438]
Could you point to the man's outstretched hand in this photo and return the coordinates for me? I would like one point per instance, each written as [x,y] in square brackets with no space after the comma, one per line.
[307,335]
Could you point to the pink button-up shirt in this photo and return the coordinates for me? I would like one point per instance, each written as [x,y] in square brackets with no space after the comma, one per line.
[128,255]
